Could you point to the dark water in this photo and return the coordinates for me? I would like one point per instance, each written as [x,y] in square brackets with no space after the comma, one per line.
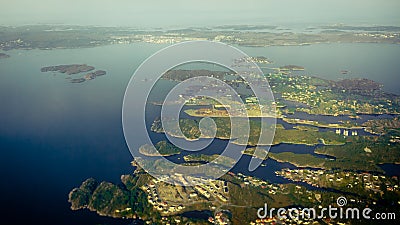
[391,169]
[54,134]
[204,215]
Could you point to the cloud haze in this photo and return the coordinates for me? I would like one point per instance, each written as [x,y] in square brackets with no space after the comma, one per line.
[175,13]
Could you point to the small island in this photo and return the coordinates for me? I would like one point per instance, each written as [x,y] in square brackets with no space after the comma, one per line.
[216,159]
[162,148]
[68,69]
[256,59]
[3,56]
[291,68]
[75,69]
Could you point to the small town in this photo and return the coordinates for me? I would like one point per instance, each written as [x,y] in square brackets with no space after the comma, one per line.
[346,181]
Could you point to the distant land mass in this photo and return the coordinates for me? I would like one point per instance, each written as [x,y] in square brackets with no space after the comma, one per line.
[246,27]
[363,28]
[62,36]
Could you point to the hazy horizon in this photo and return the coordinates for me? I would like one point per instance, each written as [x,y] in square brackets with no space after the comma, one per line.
[179,13]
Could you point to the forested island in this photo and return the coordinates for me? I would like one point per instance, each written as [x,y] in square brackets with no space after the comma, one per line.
[75,69]
[162,148]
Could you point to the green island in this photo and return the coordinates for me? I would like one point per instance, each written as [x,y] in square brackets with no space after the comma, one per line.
[291,68]
[215,159]
[162,148]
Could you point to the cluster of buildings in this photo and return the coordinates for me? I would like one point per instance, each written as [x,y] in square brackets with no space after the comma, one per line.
[379,35]
[322,101]
[342,180]
[154,199]
[288,220]
[217,188]
[220,218]
[166,39]
[346,132]
[12,44]
[203,189]
[248,180]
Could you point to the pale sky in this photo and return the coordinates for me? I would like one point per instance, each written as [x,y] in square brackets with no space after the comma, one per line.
[185,13]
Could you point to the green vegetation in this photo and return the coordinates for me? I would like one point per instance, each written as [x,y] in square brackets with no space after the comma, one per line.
[382,126]
[215,159]
[290,67]
[343,125]
[166,148]
[162,148]
[260,153]
[80,197]
[307,136]
[299,160]
[246,194]
[367,185]
[345,97]
[107,199]
[362,154]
